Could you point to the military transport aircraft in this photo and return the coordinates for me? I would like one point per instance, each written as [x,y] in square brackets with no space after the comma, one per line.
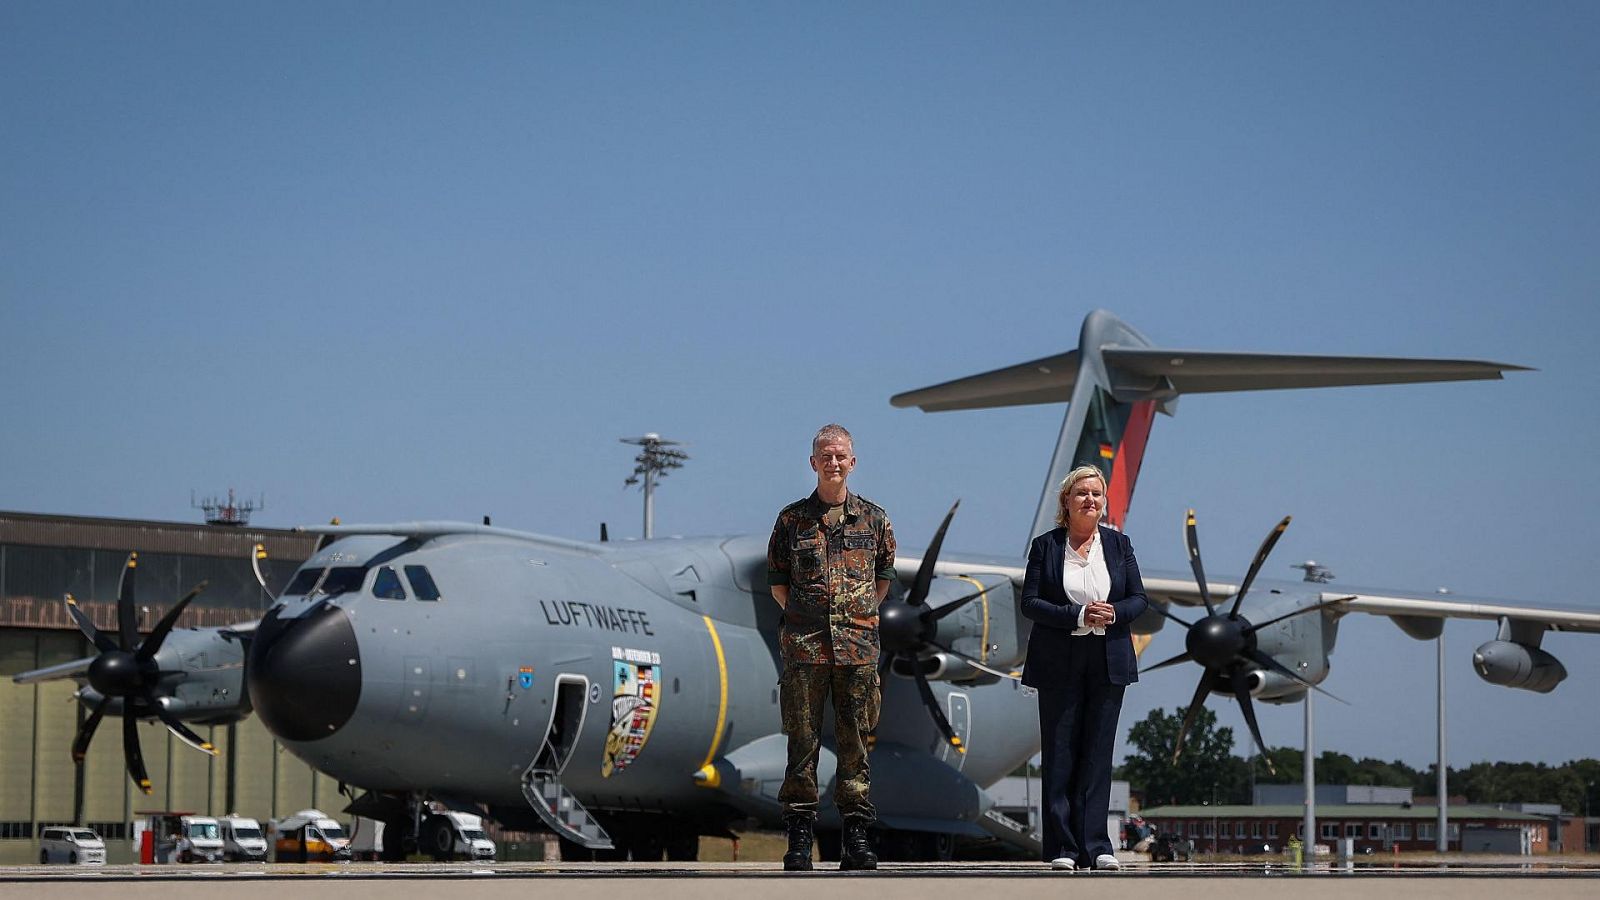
[624,695]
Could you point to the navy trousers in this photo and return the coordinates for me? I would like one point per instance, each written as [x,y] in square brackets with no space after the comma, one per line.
[1077,730]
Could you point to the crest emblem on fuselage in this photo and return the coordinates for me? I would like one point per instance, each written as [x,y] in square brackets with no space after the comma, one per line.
[635,697]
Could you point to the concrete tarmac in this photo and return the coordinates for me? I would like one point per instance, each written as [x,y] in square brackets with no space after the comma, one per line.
[1457,879]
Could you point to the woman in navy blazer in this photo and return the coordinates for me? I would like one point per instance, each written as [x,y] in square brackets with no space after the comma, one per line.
[1082,592]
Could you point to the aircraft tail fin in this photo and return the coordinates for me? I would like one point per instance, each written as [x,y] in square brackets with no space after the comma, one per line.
[1116,381]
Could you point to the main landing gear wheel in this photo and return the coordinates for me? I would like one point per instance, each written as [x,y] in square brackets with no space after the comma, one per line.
[437,841]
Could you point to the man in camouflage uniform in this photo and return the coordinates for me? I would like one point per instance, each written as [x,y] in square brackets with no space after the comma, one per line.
[829,564]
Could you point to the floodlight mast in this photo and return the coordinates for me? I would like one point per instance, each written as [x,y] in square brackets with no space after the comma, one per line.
[654,462]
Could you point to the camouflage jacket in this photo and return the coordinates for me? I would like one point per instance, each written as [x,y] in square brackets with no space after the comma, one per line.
[832,615]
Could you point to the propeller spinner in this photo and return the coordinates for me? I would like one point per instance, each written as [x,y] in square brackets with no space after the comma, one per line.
[1224,643]
[126,669]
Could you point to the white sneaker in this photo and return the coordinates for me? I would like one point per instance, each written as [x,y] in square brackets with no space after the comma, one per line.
[1107,861]
[1063,863]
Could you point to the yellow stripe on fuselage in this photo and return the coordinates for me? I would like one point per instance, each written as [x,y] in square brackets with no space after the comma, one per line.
[722,696]
[983,597]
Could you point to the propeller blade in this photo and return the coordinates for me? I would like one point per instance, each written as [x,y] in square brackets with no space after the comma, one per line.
[151,644]
[932,704]
[1256,564]
[1194,709]
[919,587]
[80,744]
[954,605]
[1241,692]
[976,664]
[1163,610]
[1180,658]
[127,625]
[100,639]
[176,726]
[1266,661]
[256,559]
[130,748]
[1299,612]
[1191,542]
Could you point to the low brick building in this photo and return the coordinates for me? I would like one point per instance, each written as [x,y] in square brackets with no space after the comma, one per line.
[1378,827]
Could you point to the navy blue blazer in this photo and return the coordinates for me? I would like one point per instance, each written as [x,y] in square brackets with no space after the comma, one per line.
[1054,617]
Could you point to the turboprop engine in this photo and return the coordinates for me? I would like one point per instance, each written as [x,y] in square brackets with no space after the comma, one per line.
[1511,664]
[1513,658]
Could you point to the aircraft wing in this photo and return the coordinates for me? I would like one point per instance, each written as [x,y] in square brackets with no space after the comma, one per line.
[906,564]
[1167,587]
[1178,589]
[424,531]
[1442,607]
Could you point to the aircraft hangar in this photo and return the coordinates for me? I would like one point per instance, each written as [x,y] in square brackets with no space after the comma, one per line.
[43,557]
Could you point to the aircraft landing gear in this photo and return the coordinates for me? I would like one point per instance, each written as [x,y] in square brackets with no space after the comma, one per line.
[394,848]
[438,840]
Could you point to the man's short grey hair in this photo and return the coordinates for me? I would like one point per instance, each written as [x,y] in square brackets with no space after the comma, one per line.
[831,432]
[1067,484]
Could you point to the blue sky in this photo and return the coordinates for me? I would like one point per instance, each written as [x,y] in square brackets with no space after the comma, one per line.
[403,260]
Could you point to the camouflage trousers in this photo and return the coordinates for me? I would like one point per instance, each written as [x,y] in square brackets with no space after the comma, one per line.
[802,691]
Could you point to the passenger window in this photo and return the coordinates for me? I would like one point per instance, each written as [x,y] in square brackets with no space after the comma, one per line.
[422,583]
[387,585]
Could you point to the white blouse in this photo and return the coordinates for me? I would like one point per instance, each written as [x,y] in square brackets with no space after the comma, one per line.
[1086,580]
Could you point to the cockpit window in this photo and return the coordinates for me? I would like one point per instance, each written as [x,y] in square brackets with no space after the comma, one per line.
[341,579]
[387,585]
[422,583]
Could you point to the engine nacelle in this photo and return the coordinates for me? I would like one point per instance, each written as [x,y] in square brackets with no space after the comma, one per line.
[1272,687]
[984,628]
[1511,664]
[940,667]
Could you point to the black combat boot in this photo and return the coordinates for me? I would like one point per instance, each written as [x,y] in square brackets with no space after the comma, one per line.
[857,850]
[798,859]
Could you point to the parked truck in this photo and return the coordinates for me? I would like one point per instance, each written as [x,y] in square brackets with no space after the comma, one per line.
[309,835]
[169,836]
[366,839]
[456,835]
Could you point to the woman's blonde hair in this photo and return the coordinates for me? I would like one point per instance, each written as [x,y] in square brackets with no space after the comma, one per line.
[1067,483]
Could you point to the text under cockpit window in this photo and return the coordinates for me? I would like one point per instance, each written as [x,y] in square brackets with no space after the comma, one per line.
[422,583]
[387,585]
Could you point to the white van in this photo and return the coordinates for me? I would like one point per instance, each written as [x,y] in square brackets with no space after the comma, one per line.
[199,839]
[69,844]
[242,839]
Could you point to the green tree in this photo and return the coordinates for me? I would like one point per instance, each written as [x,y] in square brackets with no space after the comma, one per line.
[1206,769]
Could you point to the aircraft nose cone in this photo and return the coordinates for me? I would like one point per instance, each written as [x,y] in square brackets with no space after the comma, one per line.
[305,673]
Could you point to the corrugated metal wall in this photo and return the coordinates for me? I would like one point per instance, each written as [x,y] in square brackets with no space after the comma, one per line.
[42,557]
